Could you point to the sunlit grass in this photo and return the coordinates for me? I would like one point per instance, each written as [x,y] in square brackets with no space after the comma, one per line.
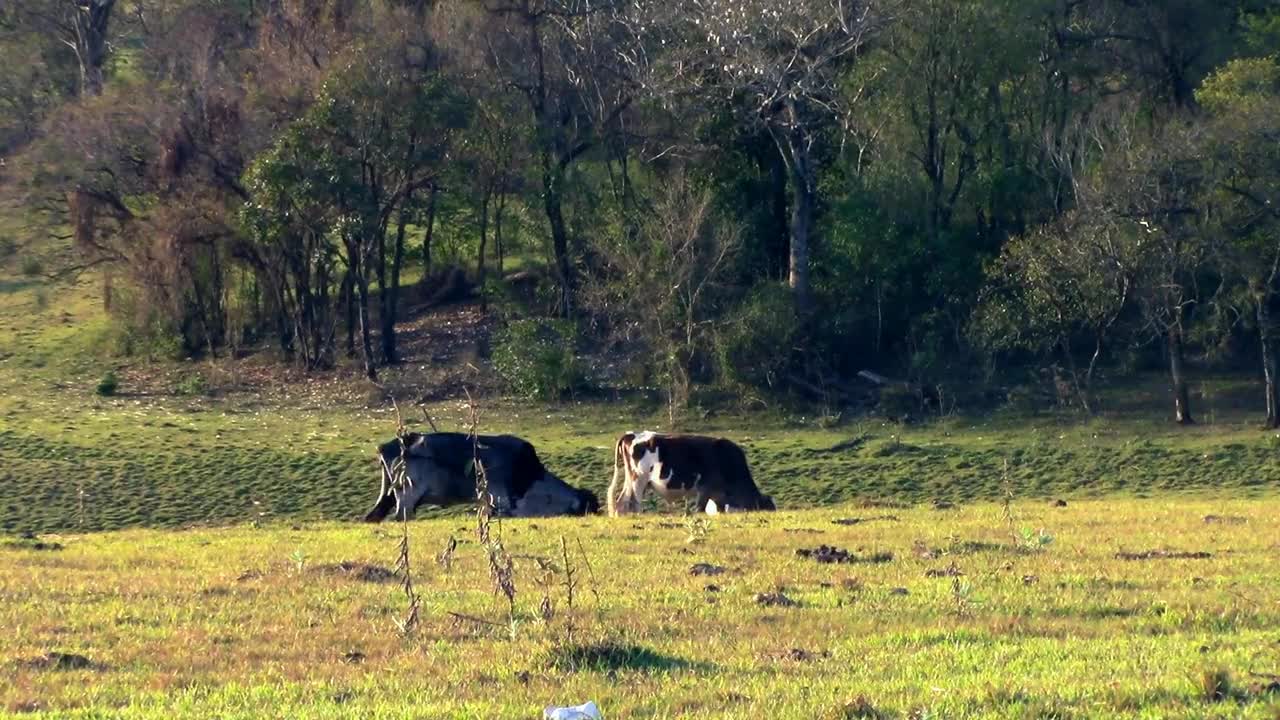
[235,621]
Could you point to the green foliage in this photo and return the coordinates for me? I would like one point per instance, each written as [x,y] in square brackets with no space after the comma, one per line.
[192,384]
[899,402]
[108,385]
[536,357]
[8,247]
[32,266]
[754,346]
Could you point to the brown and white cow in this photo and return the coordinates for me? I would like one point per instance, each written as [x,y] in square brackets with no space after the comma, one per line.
[713,471]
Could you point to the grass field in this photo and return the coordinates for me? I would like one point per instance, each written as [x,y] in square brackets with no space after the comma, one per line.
[175,552]
[959,613]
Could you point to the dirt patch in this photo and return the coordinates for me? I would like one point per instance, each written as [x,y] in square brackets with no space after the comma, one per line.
[353,657]
[797,655]
[775,599]
[804,531]
[1225,519]
[860,520]
[957,547]
[943,505]
[61,661]
[899,591]
[248,575]
[364,572]
[948,571]
[1059,503]
[706,569]
[831,554]
[1164,555]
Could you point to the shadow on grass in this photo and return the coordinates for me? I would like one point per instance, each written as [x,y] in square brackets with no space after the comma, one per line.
[608,656]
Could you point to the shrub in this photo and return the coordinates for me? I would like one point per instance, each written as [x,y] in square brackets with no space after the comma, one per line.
[193,384]
[536,357]
[32,266]
[899,402]
[753,349]
[8,247]
[108,385]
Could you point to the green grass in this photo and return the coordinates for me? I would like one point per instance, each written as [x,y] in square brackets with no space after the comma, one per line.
[73,460]
[245,621]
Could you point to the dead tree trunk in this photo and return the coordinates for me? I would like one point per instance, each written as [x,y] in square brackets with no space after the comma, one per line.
[1181,394]
[1270,363]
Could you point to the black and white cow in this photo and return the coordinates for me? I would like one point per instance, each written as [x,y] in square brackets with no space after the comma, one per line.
[713,471]
[440,472]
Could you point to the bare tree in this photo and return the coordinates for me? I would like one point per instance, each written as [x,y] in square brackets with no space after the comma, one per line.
[782,61]
[660,288]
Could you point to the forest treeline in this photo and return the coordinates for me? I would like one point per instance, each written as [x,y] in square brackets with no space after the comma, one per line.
[766,194]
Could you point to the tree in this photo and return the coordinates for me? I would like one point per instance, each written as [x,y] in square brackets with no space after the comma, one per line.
[659,289]
[782,64]
[563,57]
[1243,142]
[80,25]
[380,131]
[1152,187]
[1062,281]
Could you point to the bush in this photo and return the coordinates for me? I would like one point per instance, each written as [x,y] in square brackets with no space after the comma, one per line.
[32,266]
[108,385]
[536,357]
[193,384]
[899,402]
[8,247]
[754,348]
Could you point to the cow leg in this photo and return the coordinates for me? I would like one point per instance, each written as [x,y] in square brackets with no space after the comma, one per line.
[386,501]
[385,504]
[614,496]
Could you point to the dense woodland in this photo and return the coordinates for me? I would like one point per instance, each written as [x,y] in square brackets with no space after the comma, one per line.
[766,195]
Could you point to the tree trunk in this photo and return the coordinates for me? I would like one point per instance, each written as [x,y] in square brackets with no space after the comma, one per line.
[801,219]
[497,230]
[391,305]
[90,20]
[484,241]
[1181,395]
[1270,363]
[366,337]
[1082,390]
[349,311]
[552,179]
[426,237]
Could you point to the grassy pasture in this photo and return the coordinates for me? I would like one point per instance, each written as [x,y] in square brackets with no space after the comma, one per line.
[192,550]
[267,621]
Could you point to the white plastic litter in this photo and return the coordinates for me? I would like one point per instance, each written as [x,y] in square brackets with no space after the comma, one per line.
[586,711]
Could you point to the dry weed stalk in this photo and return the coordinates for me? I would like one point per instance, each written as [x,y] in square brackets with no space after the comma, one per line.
[404,567]
[501,566]
[570,584]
